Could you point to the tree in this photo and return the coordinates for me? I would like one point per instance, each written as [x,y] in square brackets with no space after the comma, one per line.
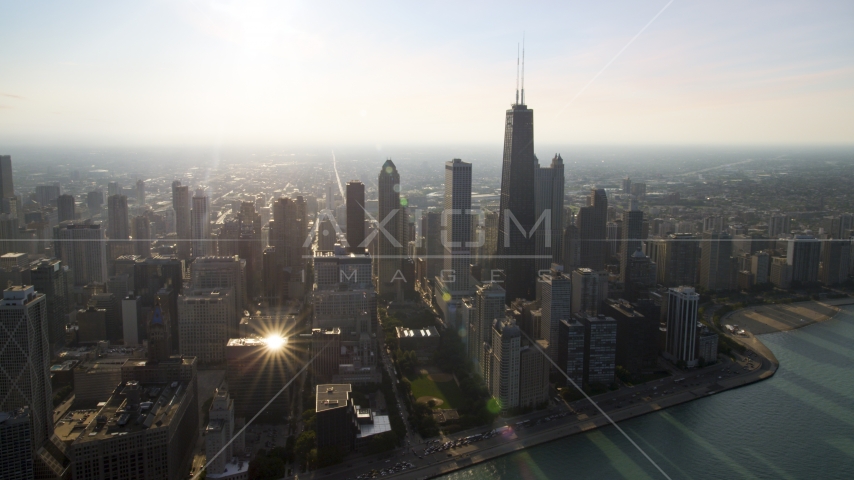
[263,467]
[306,441]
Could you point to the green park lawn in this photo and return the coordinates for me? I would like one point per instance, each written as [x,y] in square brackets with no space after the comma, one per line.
[449,392]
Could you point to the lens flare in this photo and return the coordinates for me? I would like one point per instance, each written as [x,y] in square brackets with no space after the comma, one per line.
[274,342]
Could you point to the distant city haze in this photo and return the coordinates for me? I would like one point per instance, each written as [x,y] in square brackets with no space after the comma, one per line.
[219,73]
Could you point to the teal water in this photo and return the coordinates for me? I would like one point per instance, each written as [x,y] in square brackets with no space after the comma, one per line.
[797,424]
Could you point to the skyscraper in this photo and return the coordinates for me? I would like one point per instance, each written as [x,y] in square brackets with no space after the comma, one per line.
[589,290]
[25,359]
[200,223]
[676,256]
[779,225]
[8,234]
[504,377]
[142,236]
[16,459]
[556,293]
[572,338]
[716,262]
[117,218]
[549,198]
[803,257]
[631,236]
[355,215]
[457,222]
[65,207]
[205,318]
[50,277]
[94,201]
[489,304]
[181,205]
[681,344]
[390,218]
[113,188]
[515,244]
[83,249]
[600,348]
[591,222]
[835,257]
[46,194]
[7,187]
[210,273]
[159,334]
[140,193]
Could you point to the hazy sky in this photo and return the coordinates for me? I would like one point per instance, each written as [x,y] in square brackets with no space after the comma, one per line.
[229,73]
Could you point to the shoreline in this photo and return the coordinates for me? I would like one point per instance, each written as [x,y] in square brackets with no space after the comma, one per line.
[773,318]
[767,369]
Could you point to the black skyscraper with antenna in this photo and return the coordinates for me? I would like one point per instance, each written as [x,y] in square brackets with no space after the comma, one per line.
[515,248]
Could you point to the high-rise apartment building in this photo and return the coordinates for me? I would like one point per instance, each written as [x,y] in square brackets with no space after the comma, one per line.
[181,206]
[205,317]
[716,261]
[600,348]
[504,376]
[571,248]
[589,290]
[82,247]
[25,359]
[548,191]
[572,338]
[779,225]
[640,275]
[533,373]
[803,257]
[681,343]
[355,215]
[515,245]
[555,303]
[676,256]
[637,337]
[113,188]
[118,227]
[488,305]
[835,259]
[200,225]
[65,207]
[391,218]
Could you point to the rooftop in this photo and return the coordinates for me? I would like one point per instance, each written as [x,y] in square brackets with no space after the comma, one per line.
[332,396]
[134,407]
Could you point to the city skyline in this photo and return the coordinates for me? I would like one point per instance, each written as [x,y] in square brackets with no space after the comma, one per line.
[191,291]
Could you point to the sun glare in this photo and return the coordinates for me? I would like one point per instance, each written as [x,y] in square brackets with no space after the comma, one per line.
[274,342]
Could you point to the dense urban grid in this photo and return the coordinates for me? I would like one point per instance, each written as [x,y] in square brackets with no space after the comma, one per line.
[269,317]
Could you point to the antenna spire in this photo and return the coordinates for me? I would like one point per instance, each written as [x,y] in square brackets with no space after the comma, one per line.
[517,74]
[523,68]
